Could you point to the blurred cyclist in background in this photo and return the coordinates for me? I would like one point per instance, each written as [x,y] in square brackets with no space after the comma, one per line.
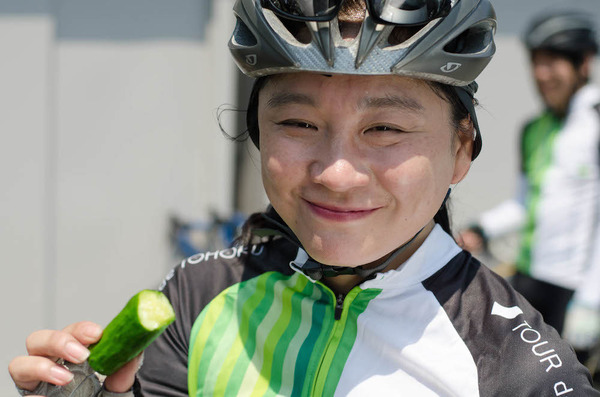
[558,205]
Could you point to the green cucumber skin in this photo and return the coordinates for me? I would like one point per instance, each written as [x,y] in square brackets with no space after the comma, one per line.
[123,339]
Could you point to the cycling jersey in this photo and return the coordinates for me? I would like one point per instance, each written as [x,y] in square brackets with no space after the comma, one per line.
[558,206]
[439,325]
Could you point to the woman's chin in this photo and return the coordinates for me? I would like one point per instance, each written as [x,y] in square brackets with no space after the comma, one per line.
[341,249]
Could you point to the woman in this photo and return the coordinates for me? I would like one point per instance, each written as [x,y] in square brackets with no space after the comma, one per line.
[350,283]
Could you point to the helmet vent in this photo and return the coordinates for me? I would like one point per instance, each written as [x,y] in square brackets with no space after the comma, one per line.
[297,29]
[401,34]
[473,40]
[294,32]
[242,35]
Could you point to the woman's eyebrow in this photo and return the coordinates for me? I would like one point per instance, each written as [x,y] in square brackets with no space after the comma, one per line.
[285,98]
[395,101]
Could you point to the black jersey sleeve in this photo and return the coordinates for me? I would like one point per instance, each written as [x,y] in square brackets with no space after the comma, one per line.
[516,352]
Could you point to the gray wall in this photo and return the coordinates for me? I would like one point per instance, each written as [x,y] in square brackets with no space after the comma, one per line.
[108,126]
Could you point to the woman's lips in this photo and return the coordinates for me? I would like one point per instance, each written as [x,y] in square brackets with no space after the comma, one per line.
[338,213]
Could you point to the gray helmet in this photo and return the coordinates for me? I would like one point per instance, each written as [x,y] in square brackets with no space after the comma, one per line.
[452,49]
[564,32]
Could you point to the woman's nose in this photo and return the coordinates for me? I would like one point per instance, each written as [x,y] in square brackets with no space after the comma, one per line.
[340,174]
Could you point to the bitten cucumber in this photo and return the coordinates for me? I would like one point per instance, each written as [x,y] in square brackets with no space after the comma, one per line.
[147,314]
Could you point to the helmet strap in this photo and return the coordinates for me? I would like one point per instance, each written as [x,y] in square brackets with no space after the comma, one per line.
[315,271]
[465,94]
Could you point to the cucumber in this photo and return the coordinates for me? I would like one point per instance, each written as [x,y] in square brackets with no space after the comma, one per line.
[147,314]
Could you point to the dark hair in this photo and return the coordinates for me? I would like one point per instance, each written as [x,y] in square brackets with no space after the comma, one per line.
[574,57]
[460,123]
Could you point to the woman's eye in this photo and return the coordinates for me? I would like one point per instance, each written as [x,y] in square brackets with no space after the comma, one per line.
[384,128]
[296,124]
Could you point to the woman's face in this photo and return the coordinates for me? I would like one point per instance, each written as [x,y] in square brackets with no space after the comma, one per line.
[356,165]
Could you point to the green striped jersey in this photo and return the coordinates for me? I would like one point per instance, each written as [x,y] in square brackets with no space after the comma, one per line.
[440,325]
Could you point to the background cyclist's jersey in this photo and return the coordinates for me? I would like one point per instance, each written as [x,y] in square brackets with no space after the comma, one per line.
[440,325]
[560,199]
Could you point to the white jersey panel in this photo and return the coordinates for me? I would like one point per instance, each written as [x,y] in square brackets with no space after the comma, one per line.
[427,358]
[415,329]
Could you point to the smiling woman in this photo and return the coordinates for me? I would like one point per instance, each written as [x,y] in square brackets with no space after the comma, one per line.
[350,283]
[380,160]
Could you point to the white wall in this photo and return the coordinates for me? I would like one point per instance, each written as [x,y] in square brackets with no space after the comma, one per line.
[23,215]
[108,125]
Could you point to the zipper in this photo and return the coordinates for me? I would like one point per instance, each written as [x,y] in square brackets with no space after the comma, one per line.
[336,328]
[335,334]
[339,306]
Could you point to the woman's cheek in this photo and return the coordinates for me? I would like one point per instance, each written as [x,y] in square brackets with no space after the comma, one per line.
[282,154]
[410,173]
[280,167]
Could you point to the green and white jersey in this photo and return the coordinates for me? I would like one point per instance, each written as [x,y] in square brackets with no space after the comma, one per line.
[440,325]
[558,205]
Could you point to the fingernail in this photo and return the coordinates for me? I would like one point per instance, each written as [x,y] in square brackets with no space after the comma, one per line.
[93,332]
[60,375]
[77,352]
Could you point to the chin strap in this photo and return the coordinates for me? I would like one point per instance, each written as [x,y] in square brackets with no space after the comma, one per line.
[314,270]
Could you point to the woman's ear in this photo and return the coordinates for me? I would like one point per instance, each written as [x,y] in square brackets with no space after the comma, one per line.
[463,151]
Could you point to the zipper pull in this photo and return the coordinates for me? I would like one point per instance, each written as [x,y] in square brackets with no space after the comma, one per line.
[339,306]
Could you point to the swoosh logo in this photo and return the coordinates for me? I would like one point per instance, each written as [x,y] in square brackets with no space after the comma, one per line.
[450,67]
[506,312]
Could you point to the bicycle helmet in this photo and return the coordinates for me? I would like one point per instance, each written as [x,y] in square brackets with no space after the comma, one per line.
[563,32]
[451,42]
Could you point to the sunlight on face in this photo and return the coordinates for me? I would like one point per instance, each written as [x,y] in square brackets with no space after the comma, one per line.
[356,165]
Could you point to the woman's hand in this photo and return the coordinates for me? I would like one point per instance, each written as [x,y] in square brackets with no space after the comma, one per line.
[45,347]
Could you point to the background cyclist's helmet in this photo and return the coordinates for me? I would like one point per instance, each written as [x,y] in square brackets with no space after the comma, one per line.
[448,41]
[562,32]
